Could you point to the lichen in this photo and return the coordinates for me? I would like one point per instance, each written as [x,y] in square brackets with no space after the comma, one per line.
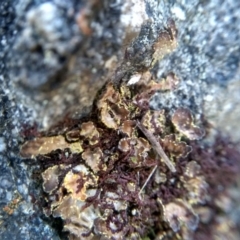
[127,171]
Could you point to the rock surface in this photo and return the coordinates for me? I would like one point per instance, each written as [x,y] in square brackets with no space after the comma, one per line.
[55,55]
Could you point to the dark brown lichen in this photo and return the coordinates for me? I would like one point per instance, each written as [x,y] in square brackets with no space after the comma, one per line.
[183,121]
[129,172]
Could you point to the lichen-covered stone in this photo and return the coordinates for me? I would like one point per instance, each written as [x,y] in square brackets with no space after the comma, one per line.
[107,188]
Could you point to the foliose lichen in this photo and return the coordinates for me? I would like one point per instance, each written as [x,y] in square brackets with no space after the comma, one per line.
[129,172]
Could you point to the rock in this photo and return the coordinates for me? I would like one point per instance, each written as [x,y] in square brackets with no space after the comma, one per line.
[55,55]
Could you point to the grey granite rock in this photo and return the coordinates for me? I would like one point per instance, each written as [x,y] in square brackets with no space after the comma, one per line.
[41,43]
[47,35]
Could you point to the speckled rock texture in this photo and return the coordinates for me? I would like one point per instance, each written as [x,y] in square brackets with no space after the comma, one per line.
[55,55]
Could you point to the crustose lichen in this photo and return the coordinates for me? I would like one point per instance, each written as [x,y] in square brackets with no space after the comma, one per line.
[126,171]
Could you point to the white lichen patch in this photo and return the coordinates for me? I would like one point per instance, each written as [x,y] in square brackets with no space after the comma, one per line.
[133,13]
[134,79]
[2,144]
